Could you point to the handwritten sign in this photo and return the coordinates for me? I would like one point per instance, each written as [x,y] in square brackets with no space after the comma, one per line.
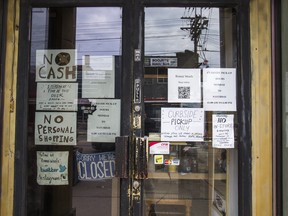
[223,131]
[104,123]
[57,96]
[184,85]
[219,89]
[97,166]
[182,124]
[52,167]
[98,77]
[56,65]
[55,128]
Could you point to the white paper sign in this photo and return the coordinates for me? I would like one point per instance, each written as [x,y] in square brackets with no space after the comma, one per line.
[55,128]
[219,89]
[223,131]
[104,123]
[159,147]
[52,167]
[184,85]
[56,65]
[57,96]
[98,77]
[182,124]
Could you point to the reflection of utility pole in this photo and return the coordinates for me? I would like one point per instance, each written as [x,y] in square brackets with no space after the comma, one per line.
[197,24]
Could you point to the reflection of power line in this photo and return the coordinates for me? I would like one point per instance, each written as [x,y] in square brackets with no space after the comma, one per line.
[197,24]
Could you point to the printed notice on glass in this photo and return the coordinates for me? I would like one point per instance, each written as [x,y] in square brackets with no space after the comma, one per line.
[219,89]
[104,122]
[56,65]
[182,124]
[57,96]
[52,167]
[98,77]
[159,148]
[223,131]
[184,85]
[55,128]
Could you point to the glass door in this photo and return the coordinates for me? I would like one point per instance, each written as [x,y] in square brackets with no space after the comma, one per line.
[166,88]
[190,112]
[74,111]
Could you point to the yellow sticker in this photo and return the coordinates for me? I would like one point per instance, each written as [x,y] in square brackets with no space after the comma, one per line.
[158,159]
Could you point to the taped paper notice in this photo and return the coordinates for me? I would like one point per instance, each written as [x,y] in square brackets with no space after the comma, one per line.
[223,131]
[52,167]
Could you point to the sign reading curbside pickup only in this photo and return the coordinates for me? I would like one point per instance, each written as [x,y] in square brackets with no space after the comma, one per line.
[95,166]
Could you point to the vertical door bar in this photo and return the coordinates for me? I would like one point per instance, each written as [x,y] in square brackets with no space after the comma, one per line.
[127,88]
[137,113]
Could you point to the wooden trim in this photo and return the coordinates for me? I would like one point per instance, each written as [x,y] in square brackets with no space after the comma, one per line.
[260,26]
[9,108]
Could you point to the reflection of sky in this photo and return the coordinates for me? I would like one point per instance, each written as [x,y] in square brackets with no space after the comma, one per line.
[163,35]
[39,34]
[99,32]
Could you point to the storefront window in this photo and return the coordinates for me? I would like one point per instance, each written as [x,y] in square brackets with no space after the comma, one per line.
[190,112]
[74,111]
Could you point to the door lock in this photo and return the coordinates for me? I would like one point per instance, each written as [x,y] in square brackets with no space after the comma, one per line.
[136,185]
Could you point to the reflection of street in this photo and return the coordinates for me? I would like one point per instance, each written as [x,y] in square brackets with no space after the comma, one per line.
[189,197]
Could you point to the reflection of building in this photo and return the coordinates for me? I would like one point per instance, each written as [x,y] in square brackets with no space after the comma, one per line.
[156,68]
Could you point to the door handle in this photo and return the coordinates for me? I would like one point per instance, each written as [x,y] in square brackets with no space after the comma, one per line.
[141,158]
[138,157]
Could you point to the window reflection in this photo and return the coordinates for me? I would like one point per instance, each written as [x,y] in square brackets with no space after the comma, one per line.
[192,178]
[90,39]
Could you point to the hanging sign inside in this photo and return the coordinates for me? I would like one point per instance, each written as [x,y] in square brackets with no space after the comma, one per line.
[52,167]
[182,124]
[98,77]
[159,147]
[97,166]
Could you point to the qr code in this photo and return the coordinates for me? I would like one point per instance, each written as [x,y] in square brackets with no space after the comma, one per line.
[183,92]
